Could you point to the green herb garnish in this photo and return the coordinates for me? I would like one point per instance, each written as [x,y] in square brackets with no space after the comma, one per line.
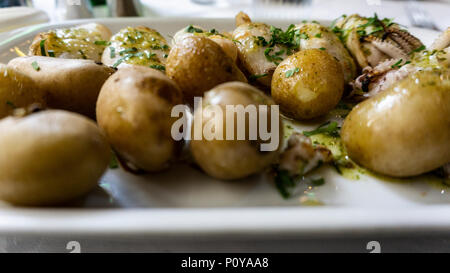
[35,66]
[192,29]
[318,182]
[82,54]
[322,48]
[129,50]
[158,66]
[329,128]
[113,52]
[51,53]
[42,45]
[104,43]
[318,35]
[420,48]
[291,72]
[9,103]
[275,58]
[253,78]
[284,183]
[113,163]
[397,64]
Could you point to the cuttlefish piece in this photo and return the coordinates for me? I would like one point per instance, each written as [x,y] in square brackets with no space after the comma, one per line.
[377,79]
[442,42]
[384,40]
[252,53]
[387,47]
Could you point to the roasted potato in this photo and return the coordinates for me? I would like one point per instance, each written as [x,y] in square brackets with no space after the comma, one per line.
[225,42]
[50,157]
[17,91]
[139,46]
[71,85]
[405,130]
[308,84]
[81,42]
[134,109]
[231,158]
[198,64]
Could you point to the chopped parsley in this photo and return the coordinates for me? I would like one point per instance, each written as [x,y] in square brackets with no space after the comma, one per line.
[420,48]
[42,45]
[82,54]
[318,182]
[113,52]
[318,35]
[113,163]
[275,58]
[322,48]
[399,64]
[284,183]
[192,29]
[158,67]
[9,103]
[35,66]
[104,43]
[128,50]
[253,78]
[291,72]
[290,39]
[329,128]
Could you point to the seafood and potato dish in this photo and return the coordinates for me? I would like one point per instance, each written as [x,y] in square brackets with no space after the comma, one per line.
[82,98]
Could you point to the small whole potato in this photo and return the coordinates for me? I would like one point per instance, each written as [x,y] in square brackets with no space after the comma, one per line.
[17,91]
[50,157]
[308,84]
[405,130]
[68,84]
[233,158]
[198,64]
[134,110]
[225,42]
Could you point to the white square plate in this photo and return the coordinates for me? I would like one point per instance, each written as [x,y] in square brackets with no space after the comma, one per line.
[185,201]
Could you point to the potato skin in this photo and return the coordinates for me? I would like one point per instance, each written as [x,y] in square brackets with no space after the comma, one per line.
[314,90]
[71,85]
[50,157]
[198,64]
[17,91]
[232,159]
[405,130]
[134,110]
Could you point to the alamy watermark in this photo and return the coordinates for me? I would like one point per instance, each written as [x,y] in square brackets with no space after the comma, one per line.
[237,122]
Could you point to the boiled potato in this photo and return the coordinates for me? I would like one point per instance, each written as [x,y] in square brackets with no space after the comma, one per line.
[17,91]
[198,64]
[405,130]
[71,85]
[233,159]
[49,158]
[134,109]
[225,42]
[81,42]
[137,46]
[308,84]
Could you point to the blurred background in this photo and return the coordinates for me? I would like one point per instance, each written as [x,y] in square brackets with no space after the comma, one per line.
[16,14]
